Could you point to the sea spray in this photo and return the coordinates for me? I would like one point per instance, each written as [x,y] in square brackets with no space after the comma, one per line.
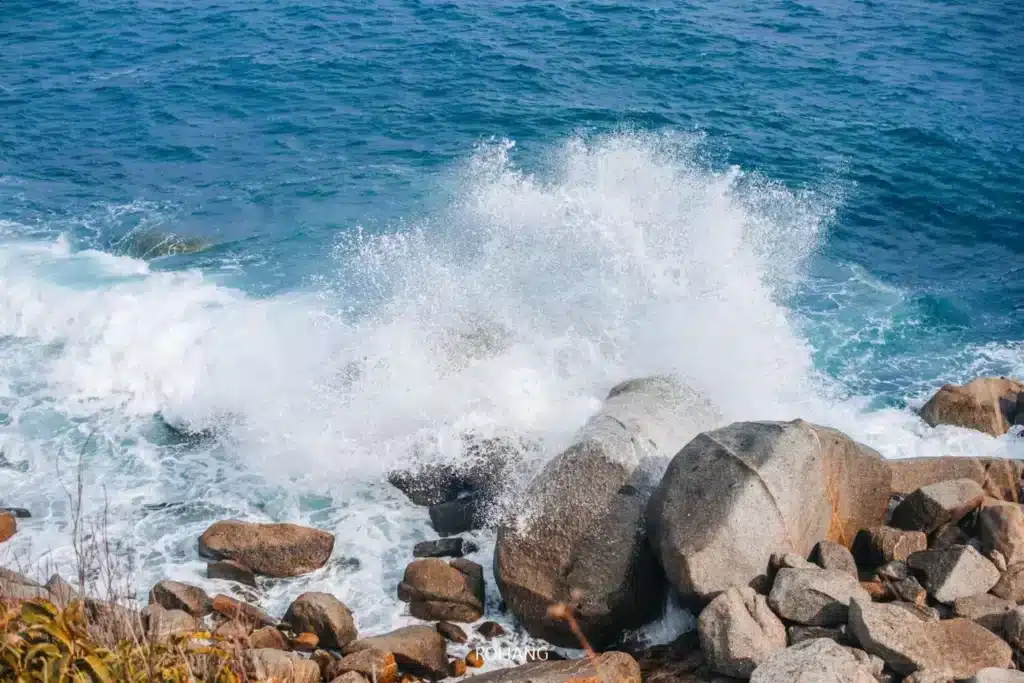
[512,311]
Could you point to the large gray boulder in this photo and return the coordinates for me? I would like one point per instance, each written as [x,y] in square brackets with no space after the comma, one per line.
[813,661]
[734,496]
[583,529]
[909,644]
[738,631]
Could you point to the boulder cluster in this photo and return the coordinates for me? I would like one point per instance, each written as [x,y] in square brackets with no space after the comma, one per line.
[806,556]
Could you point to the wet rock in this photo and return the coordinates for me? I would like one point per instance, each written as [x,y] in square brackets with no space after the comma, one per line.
[446,591]
[417,649]
[814,597]
[375,665]
[428,484]
[8,526]
[1001,528]
[813,661]
[484,468]
[452,632]
[19,513]
[878,545]
[165,624]
[1013,627]
[985,609]
[269,638]
[151,244]
[610,667]
[835,556]
[956,572]
[908,644]
[986,404]
[932,506]
[324,615]
[463,514]
[840,634]
[738,631]
[734,496]
[444,547]
[177,595]
[229,570]
[490,629]
[592,538]
[282,667]
[278,550]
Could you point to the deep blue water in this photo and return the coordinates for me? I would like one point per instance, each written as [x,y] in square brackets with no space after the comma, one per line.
[270,127]
[347,164]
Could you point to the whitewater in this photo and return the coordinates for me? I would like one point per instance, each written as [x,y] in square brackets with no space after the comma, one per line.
[509,310]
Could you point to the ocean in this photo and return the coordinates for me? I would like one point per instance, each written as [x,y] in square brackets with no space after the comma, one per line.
[417,220]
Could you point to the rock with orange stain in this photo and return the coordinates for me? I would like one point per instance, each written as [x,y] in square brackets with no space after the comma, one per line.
[8,526]
[305,642]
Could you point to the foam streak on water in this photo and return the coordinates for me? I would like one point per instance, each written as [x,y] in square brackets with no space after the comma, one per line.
[511,311]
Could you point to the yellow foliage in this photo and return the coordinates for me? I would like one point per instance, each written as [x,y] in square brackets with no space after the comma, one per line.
[43,644]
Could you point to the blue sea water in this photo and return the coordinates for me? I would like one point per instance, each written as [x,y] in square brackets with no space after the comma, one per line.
[423,218]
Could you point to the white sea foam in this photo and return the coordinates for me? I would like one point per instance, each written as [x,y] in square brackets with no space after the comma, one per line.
[512,312]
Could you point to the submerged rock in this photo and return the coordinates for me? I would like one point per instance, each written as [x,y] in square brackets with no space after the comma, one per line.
[583,538]
[734,496]
[151,244]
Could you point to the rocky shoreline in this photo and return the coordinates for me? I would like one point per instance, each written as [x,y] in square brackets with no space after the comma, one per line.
[807,556]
